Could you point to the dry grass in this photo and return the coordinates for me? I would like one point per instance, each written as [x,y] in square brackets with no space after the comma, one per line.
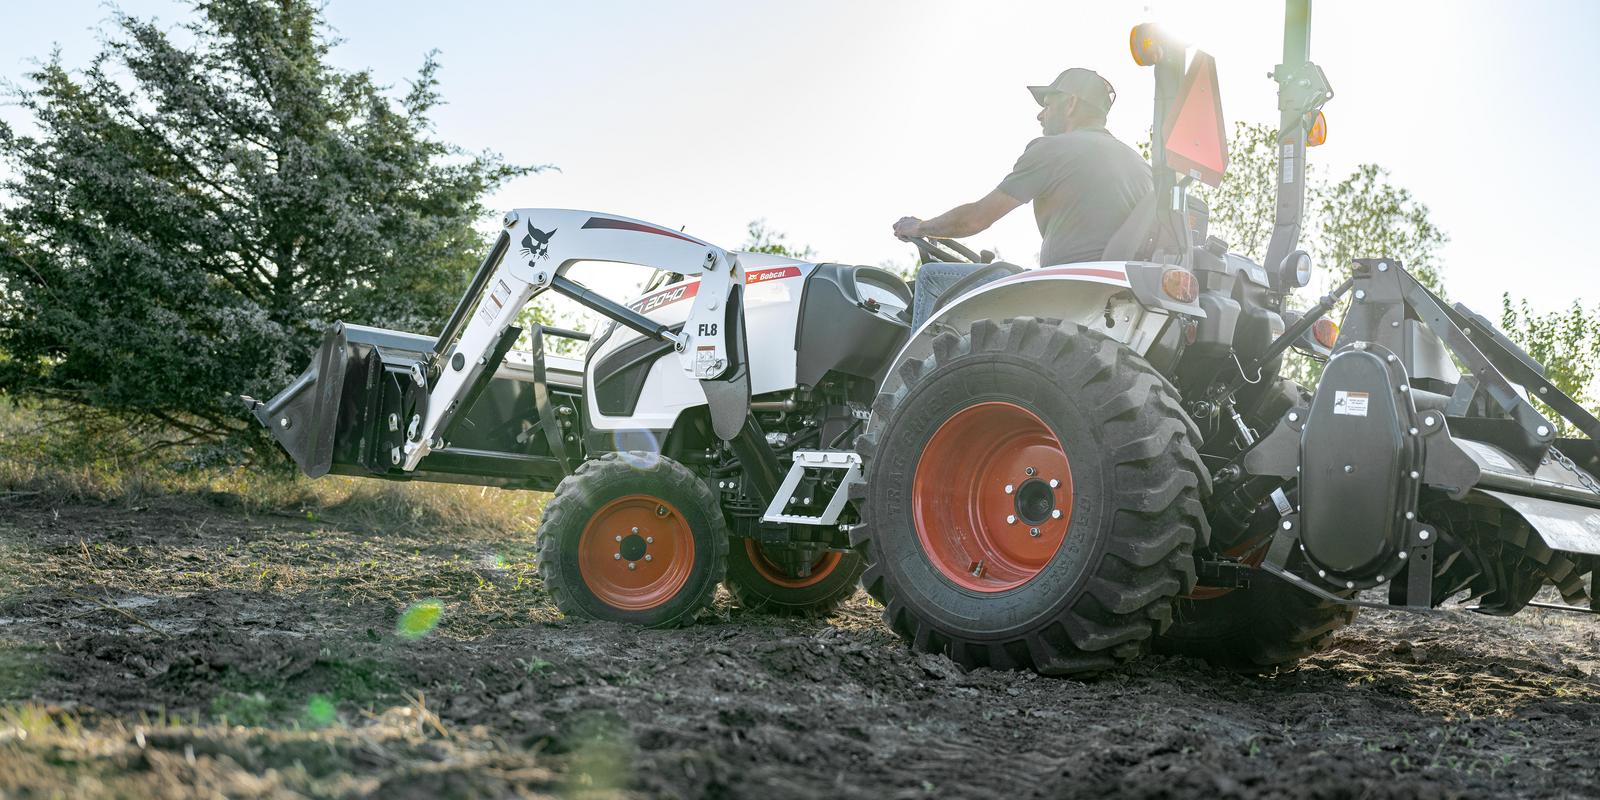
[45,462]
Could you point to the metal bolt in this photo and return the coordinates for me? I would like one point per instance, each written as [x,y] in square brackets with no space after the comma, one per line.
[1359,345]
[1423,534]
[1413,431]
[1428,420]
[1288,525]
[1011,519]
[1361,294]
[633,530]
[1542,430]
[1033,532]
[649,540]
[1381,579]
[1404,388]
[482,360]
[1403,555]
[1544,390]
[1294,416]
[1348,468]
[616,556]
[1055,513]
[1322,573]
[1383,266]
[1028,471]
[633,565]
[1009,487]
[394,422]
[661,511]
[649,557]
[1411,515]
[1395,324]
[1349,584]
[284,423]
[1054,483]
[619,538]
[1391,359]
[1415,474]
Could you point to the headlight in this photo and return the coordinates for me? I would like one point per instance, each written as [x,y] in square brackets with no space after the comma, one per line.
[1295,271]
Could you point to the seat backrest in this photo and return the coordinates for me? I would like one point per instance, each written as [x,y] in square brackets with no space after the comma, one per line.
[1136,239]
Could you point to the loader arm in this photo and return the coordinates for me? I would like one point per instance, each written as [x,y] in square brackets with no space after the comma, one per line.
[533,254]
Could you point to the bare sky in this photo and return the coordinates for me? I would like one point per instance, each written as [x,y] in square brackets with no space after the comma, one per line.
[833,118]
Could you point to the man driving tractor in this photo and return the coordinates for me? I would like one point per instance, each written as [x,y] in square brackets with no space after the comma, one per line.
[1082,181]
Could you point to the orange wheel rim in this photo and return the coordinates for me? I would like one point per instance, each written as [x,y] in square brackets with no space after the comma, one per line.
[636,553]
[992,497]
[776,575]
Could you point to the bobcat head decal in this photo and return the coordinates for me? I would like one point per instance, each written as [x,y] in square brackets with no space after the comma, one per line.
[536,245]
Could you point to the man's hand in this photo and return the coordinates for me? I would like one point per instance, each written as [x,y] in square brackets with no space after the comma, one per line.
[907,227]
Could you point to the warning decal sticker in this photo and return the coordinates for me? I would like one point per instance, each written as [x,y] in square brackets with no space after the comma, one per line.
[1350,404]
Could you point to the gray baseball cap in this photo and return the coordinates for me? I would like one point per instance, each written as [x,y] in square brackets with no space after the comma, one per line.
[1084,84]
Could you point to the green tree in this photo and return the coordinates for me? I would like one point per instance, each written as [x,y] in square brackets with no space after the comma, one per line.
[1362,215]
[1567,343]
[762,239]
[189,212]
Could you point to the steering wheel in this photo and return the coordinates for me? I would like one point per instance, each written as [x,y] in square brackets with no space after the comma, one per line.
[931,250]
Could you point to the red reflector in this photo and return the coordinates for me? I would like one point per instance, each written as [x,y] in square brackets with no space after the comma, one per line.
[1193,137]
[1180,285]
[1326,332]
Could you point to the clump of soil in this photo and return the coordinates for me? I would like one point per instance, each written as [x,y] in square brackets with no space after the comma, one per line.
[187,648]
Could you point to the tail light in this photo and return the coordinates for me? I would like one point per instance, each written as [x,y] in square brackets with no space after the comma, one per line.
[1180,285]
[1326,332]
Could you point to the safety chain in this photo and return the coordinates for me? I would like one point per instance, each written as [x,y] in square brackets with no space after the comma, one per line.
[1583,477]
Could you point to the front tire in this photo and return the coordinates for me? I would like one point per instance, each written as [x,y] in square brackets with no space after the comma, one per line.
[634,538]
[759,582]
[972,549]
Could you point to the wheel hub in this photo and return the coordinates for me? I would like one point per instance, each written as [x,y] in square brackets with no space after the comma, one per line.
[1035,501]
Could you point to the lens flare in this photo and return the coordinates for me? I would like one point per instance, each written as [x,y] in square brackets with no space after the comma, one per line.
[419,620]
[640,448]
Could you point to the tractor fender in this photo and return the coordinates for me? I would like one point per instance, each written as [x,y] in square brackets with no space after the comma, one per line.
[1111,298]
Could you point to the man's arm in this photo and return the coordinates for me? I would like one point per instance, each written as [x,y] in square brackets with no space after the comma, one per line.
[963,220]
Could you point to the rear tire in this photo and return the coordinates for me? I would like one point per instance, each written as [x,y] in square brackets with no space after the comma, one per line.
[759,584]
[1090,589]
[634,538]
[1257,629]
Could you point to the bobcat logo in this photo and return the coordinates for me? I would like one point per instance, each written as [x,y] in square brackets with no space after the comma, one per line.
[536,245]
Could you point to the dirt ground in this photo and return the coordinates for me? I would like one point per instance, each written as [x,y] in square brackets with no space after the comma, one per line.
[188,648]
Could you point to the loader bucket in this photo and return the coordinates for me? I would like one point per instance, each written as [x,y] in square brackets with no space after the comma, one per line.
[321,416]
[352,410]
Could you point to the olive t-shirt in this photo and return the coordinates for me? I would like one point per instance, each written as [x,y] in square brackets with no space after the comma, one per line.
[1083,185]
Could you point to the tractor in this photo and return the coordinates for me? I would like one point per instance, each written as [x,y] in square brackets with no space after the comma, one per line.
[1058,468]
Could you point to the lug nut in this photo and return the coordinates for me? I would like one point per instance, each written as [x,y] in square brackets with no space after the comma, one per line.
[1034,532]
[649,540]
[633,565]
[1011,519]
[1055,513]
[649,557]
[1054,483]
[619,538]
[616,556]
[634,530]
[1009,488]
[1028,472]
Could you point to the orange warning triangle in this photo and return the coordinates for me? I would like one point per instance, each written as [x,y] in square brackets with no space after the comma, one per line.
[1194,140]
